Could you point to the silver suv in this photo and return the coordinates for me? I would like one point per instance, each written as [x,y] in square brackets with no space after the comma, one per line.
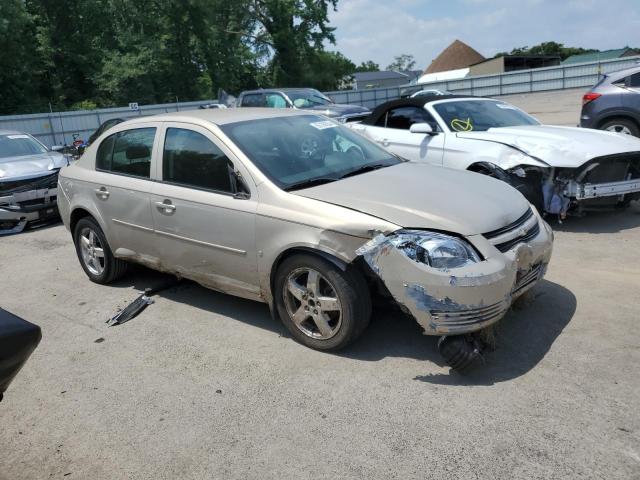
[298,211]
[614,103]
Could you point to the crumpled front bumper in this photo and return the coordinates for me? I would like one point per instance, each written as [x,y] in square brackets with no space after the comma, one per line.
[467,299]
[22,208]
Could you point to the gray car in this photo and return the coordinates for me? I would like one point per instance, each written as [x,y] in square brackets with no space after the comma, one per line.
[614,103]
[298,211]
[28,181]
[302,99]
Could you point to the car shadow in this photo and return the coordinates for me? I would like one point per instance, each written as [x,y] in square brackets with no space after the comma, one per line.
[523,336]
[600,222]
[523,339]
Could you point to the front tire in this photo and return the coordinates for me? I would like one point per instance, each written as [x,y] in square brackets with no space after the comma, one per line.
[324,307]
[94,253]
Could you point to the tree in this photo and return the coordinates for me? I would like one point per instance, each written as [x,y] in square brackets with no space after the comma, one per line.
[295,30]
[402,63]
[547,48]
[17,62]
[329,71]
[368,66]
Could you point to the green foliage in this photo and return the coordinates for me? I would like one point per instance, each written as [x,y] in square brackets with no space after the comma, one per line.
[547,48]
[98,53]
[402,63]
[368,66]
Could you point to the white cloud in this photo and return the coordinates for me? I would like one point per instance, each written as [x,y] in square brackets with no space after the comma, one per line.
[378,30]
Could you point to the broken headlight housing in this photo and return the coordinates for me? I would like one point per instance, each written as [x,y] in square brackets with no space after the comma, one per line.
[434,249]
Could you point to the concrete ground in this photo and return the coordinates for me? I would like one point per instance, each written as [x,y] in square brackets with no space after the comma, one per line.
[556,107]
[203,385]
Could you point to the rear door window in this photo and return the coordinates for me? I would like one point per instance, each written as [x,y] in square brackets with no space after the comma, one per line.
[191,159]
[403,117]
[253,100]
[127,152]
[634,80]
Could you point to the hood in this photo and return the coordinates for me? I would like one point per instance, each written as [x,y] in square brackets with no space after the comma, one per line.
[338,110]
[25,166]
[418,195]
[561,147]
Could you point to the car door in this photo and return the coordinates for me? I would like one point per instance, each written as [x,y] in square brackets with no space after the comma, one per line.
[392,132]
[121,187]
[204,213]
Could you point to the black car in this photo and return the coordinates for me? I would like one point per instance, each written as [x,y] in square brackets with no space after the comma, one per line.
[302,99]
[103,127]
[18,339]
[613,104]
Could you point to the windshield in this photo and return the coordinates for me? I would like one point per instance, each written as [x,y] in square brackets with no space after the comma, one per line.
[19,145]
[308,98]
[296,151]
[481,115]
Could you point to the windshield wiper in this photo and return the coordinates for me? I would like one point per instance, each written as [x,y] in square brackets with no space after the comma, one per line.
[365,169]
[312,182]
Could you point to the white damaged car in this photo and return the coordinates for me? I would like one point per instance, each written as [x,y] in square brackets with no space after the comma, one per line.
[558,169]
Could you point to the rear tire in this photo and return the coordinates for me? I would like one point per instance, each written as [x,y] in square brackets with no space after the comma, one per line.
[94,253]
[621,125]
[324,307]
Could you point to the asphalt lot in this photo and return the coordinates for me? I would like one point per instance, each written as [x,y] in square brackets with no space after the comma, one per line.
[555,107]
[203,385]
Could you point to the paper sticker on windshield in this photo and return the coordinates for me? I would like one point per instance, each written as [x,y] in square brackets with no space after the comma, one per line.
[324,125]
[505,106]
[13,137]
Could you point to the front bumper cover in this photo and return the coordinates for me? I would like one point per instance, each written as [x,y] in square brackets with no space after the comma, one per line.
[467,299]
[29,207]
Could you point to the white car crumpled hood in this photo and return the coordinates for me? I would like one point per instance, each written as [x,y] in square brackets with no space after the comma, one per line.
[418,195]
[17,168]
[560,147]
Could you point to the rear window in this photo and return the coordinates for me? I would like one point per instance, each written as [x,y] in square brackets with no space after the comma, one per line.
[127,152]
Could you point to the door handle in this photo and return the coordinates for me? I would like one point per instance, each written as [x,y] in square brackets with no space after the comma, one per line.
[384,142]
[167,206]
[102,192]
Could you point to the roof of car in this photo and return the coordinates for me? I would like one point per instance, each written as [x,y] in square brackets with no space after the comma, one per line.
[221,116]
[420,101]
[623,73]
[284,90]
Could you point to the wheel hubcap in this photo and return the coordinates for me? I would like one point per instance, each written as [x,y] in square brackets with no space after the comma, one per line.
[619,129]
[312,303]
[92,251]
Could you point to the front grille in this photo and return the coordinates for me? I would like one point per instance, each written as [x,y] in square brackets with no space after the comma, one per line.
[37,183]
[466,318]
[524,229]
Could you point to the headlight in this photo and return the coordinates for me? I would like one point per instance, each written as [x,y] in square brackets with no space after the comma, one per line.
[434,249]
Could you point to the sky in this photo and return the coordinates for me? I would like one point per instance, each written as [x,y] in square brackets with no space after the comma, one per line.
[378,30]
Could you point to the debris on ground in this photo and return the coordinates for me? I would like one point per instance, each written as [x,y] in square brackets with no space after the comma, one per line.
[139,304]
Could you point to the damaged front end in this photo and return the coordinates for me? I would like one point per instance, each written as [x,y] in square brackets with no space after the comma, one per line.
[602,183]
[28,201]
[453,285]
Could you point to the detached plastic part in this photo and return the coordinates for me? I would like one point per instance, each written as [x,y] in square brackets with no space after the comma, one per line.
[460,351]
[18,339]
[139,304]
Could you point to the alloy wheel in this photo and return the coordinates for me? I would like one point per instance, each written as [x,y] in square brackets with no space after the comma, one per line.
[619,129]
[312,303]
[92,251]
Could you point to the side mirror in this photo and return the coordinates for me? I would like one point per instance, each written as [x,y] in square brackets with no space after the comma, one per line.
[424,128]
